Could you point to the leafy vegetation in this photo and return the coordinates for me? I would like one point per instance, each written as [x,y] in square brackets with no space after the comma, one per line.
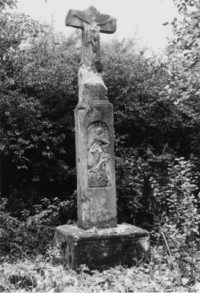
[157,120]
[40,276]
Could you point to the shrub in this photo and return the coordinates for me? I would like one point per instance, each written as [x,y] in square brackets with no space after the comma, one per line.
[32,234]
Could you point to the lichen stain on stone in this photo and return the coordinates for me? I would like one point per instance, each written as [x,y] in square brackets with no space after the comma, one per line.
[85,197]
[85,207]
[86,75]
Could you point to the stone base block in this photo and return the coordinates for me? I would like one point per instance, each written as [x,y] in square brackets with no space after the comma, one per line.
[101,248]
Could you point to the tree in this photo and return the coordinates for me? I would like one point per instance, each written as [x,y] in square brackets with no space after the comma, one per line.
[183,60]
[187,30]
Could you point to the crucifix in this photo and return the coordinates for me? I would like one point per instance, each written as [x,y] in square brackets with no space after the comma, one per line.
[92,23]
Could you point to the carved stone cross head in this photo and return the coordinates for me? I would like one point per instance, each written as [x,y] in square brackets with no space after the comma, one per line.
[91,22]
[77,19]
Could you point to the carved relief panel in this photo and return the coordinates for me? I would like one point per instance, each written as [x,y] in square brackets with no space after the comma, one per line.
[99,157]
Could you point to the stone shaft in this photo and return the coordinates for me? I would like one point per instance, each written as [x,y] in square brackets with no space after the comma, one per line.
[96,188]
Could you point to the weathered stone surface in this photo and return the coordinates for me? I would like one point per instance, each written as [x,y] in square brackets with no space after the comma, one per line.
[96,188]
[99,248]
[91,86]
[92,23]
[77,19]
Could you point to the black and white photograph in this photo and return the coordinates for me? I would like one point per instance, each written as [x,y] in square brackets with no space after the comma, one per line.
[99,146]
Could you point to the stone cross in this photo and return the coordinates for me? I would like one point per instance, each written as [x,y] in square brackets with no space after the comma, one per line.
[91,22]
[96,189]
[106,244]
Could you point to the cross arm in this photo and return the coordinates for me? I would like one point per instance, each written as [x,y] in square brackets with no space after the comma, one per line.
[76,19]
[107,24]
[73,19]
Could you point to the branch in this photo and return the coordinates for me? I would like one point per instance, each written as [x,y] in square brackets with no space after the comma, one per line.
[168,248]
[24,253]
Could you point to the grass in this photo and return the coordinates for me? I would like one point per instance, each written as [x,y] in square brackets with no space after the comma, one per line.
[41,275]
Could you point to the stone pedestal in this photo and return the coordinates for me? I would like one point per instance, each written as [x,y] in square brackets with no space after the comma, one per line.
[101,248]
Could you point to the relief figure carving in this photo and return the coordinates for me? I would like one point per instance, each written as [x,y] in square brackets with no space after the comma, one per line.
[99,157]
[92,35]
